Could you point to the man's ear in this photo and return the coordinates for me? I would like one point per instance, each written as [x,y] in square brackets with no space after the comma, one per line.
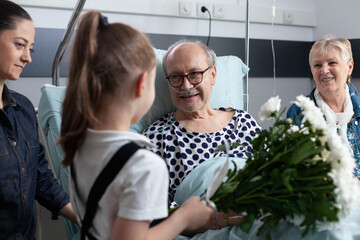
[140,84]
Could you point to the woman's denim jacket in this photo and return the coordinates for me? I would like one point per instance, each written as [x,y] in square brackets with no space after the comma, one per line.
[24,173]
[294,111]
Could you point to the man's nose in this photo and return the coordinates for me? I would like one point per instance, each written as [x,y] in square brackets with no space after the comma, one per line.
[186,83]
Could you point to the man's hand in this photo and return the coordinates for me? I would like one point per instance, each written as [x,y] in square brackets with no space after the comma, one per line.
[221,219]
[218,220]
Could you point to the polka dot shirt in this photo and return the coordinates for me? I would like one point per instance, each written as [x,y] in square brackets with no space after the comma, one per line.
[184,150]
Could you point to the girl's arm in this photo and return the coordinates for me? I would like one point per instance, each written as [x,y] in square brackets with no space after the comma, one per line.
[190,216]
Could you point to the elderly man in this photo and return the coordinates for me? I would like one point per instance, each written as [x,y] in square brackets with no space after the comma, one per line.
[189,136]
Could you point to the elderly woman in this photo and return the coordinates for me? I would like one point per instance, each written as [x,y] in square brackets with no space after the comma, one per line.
[331,65]
[189,136]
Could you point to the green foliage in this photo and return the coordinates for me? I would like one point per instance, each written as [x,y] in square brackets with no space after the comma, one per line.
[283,177]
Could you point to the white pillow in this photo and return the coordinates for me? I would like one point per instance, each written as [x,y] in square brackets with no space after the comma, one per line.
[227,92]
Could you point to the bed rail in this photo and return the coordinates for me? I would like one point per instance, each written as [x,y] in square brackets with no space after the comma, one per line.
[65,41]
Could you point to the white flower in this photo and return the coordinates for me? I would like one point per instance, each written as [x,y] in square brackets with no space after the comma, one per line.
[347,187]
[293,129]
[304,130]
[272,105]
[311,113]
[342,163]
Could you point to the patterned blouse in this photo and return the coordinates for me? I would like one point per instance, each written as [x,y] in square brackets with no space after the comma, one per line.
[355,148]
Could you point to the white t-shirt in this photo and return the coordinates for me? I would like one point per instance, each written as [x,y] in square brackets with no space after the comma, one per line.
[138,192]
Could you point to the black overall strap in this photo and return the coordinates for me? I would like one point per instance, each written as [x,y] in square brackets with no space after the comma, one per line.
[104,179]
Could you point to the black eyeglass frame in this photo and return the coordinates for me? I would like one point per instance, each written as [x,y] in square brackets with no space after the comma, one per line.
[187,77]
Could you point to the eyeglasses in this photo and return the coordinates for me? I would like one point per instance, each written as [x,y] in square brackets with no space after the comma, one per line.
[194,78]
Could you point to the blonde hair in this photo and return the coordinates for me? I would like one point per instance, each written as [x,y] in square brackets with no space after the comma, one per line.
[102,61]
[331,43]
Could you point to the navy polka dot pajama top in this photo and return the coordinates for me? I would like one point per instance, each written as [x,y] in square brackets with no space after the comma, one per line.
[184,150]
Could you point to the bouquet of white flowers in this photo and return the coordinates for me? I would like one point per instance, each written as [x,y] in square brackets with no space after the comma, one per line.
[303,175]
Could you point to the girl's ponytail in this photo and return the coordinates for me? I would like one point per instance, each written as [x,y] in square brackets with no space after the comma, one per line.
[77,112]
[106,58]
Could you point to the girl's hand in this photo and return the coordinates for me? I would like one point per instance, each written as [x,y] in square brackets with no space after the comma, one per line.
[196,214]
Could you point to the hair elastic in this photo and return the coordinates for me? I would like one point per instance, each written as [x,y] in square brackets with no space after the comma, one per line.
[103,22]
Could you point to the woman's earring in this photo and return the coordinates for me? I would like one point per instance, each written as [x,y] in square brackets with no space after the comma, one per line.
[348,80]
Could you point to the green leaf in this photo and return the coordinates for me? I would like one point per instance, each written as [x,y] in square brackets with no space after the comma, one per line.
[284,176]
[266,225]
[304,151]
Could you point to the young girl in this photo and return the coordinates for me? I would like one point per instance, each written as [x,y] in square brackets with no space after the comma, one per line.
[111,86]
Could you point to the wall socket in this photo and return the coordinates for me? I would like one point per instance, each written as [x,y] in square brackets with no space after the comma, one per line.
[288,17]
[185,8]
[219,11]
[199,6]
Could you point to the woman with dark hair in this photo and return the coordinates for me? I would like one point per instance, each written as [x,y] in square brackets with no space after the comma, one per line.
[24,173]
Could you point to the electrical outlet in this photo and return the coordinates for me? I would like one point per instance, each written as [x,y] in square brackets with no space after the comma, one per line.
[288,17]
[199,6]
[185,8]
[218,11]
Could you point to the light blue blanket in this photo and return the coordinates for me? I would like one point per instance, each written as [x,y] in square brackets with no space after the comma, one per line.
[196,183]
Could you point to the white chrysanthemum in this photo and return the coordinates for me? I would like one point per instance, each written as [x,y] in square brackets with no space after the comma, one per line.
[293,129]
[325,154]
[347,187]
[311,113]
[272,105]
[304,130]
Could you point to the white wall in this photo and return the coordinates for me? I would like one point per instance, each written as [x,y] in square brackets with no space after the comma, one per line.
[261,89]
[30,86]
[340,18]
[162,16]
[146,20]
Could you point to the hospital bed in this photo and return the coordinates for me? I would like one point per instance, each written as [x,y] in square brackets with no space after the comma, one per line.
[230,86]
